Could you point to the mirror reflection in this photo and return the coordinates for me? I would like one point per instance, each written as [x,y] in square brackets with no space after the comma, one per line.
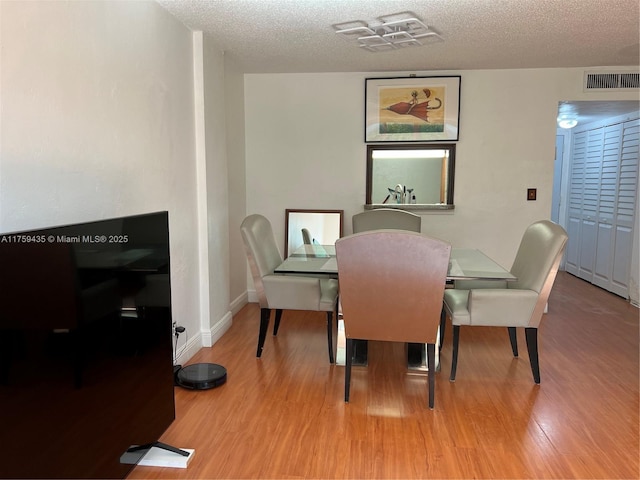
[403,176]
[312,227]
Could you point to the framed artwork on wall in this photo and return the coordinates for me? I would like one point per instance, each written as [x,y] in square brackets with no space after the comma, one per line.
[412,109]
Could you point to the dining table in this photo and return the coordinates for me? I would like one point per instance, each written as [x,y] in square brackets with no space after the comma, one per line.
[320,260]
[464,264]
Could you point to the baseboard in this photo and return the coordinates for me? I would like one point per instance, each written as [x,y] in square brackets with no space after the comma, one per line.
[188,349]
[210,337]
[238,303]
[252,297]
[203,339]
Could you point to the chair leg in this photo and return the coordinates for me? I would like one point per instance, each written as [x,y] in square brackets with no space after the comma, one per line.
[532,347]
[443,324]
[514,340]
[431,363]
[265,313]
[330,335]
[454,357]
[347,369]
[276,325]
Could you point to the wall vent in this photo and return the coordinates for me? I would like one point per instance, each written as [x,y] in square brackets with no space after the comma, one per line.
[611,81]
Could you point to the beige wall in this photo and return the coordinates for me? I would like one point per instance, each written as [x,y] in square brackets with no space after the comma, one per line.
[115,108]
[214,211]
[236,169]
[98,121]
[305,149]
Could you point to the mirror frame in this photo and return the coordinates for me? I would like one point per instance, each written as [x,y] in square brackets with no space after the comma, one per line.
[448,205]
[288,211]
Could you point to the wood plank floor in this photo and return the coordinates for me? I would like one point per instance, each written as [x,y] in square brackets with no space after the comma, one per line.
[283,416]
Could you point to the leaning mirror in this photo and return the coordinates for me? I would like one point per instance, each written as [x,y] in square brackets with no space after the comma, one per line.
[320,227]
[410,176]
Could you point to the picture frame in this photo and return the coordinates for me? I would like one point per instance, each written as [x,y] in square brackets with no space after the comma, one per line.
[412,109]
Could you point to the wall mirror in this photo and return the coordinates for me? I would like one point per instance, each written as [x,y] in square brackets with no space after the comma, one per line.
[320,227]
[410,176]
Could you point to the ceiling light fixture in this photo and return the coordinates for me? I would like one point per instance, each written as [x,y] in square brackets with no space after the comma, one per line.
[393,32]
[567,115]
[567,120]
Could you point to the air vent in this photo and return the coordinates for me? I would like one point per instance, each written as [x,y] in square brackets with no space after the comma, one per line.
[616,81]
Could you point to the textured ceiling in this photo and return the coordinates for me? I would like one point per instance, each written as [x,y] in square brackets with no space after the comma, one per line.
[294,36]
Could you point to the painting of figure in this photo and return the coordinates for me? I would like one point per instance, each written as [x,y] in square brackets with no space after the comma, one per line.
[412,109]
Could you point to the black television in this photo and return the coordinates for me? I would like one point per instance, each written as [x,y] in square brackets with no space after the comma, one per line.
[86,357]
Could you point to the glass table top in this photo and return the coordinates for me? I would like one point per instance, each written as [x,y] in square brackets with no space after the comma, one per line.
[464,264]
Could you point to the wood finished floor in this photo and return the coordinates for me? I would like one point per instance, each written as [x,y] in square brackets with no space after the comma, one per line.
[283,416]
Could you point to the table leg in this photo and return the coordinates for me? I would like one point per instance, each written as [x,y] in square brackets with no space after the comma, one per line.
[360,348]
[417,356]
[360,351]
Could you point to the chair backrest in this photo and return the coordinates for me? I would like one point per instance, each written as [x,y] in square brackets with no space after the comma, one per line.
[537,262]
[306,237]
[386,218]
[262,251]
[392,284]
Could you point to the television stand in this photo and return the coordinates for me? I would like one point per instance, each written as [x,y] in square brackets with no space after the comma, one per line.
[157,454]
[163,446]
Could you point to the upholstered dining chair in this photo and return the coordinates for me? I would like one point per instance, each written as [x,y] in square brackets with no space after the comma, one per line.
[306,236]
[519,303]
[386,218]
[391,289]
[389,218]
[283,292]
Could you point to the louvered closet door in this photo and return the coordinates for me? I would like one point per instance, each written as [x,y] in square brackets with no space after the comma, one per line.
[590,200]
[605,219]
[574,217]
[625,208]
[602,201]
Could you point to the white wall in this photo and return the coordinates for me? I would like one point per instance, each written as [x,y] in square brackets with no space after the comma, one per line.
[215,212]
[305,149]
[97,121]
[236,170]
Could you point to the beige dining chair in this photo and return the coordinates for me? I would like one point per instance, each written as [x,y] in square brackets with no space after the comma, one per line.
[520,303]
[306,237]
[391,289]
[387,218]
[283,292]
[390,218]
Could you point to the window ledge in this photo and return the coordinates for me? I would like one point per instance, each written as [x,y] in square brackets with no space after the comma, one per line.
[411,206]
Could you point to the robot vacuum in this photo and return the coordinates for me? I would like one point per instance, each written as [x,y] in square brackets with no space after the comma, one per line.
[200,376]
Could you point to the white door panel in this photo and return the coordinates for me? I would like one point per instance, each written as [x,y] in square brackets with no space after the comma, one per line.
[602,197]
[587,248]
[573,245]
[602,266]
[621,261]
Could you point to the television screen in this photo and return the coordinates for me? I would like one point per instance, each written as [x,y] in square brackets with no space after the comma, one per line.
[86,358]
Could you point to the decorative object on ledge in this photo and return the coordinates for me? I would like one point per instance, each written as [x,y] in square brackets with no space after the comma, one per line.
[412,109]
[410,176]
[390,32]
